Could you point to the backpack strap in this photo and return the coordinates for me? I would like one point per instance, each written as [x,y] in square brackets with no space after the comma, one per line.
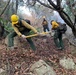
[22,26]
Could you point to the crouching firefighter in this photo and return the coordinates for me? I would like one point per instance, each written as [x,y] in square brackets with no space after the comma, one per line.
[22,29]
[57,35]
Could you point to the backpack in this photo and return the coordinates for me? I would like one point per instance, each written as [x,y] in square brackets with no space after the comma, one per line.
[44,22]
[62,27]
[21,25]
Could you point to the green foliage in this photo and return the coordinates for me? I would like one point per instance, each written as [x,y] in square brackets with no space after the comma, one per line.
[8,27]
[1,20]
[31,32]
[67,8]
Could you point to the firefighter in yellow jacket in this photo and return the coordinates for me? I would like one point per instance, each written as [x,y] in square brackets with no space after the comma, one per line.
[57,36]
[22,29]
[45,24]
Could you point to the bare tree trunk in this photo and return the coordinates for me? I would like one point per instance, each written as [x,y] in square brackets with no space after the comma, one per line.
[5,8]
[74,32]
[1,30]
[63,15]
[12,9]
[16,6]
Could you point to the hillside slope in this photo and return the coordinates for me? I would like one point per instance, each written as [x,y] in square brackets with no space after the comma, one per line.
[19,60]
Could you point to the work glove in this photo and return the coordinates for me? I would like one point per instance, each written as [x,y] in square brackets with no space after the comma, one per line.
[23,36]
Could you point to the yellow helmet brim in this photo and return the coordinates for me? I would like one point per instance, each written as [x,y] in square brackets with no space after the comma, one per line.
[15,22]
[43,16]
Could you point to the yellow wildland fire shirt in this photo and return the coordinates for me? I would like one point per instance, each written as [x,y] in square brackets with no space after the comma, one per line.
[54,25]
[25,24]
[44,23]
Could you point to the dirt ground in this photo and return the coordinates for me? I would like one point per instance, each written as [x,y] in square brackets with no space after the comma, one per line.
[19,61]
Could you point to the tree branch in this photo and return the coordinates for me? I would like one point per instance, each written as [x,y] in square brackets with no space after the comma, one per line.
[65,18]
[45,4]
[52,3]
[75,20]
[16,6]
[5,8]
[58,4]
[68,17]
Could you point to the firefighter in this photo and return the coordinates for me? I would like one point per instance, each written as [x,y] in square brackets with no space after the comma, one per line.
[22,29]
[45,24]
[57,35]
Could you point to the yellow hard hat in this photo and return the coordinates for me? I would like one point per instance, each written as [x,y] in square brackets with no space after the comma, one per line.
[14,19]
[43,16]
